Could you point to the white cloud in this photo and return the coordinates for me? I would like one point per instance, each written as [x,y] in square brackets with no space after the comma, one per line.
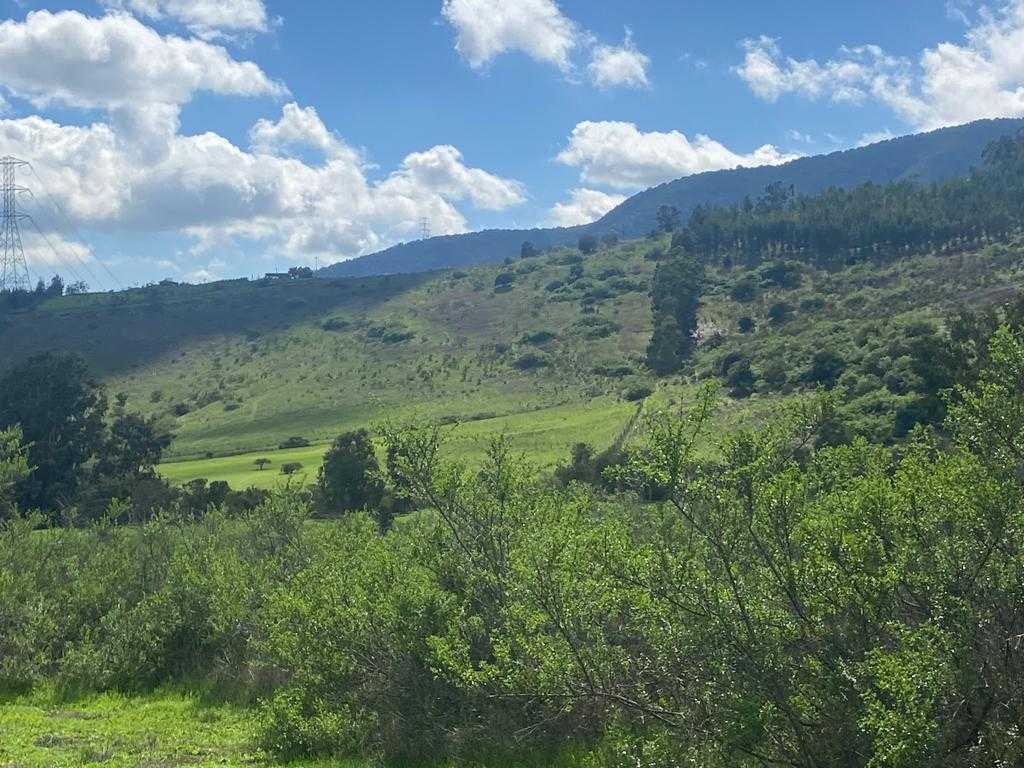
[218,193]
[206,18]
[297,128]
[583,207]
[619,65]
[980,77]
[132,171]
[486,29]
[873,137]
[116,64]
[441,169]
[846,79]
[619,155]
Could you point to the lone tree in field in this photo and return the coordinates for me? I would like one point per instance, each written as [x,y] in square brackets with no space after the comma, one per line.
[261,464]
[350,476]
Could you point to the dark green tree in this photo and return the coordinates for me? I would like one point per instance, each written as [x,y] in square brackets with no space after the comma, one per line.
[668,218]
[61,411]
[588,244]
[350,476]
[675,298]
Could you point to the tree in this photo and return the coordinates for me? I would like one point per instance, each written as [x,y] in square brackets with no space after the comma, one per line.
[588,244]
[528,250]
[675,298]
[133,448]
[56,287]
[261,464]
[14,467]
[610,240]
[668,218]
[350,476]
[61,410]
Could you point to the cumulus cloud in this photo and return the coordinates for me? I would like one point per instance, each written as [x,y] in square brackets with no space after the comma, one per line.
[844,79]
[206,18]
[220,194]
[297,128]
[583,207]
[131,170]
[981,76]
[621,65]
[119,65]
[619,155]
[486,29]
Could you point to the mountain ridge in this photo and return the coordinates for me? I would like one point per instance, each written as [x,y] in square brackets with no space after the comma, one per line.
[925,157]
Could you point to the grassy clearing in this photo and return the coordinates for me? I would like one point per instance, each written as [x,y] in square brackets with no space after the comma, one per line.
[161,730]
[546,436]
[166,729]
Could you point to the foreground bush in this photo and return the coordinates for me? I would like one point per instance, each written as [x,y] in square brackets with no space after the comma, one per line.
[784,604]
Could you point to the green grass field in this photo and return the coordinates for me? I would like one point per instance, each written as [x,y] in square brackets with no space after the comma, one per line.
[165,729]
[545,435]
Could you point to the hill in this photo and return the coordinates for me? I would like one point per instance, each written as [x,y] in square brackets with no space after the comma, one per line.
[551,355]
[851,288]
[925,157]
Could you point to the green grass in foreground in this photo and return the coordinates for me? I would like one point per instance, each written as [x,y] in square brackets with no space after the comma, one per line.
[165,729]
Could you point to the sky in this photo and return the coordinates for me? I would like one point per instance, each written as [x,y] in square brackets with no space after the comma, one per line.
[207,139]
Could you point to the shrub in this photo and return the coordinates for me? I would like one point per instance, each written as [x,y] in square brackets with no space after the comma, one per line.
[290,467]
[294,442]
[744,291]
[637,392]
[530,361]
[780,312]
[539,337]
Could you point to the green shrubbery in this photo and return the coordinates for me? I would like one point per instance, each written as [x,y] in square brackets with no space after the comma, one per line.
[785,604]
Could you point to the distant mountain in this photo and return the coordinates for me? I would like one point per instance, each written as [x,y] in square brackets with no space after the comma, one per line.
[925,157]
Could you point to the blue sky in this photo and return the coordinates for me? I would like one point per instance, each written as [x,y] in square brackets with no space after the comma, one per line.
[201,139]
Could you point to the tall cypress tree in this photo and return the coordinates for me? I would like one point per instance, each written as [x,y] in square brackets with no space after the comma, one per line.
[675,299]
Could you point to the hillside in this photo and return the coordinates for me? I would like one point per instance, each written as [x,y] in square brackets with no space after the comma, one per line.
[236,368]
[925,157]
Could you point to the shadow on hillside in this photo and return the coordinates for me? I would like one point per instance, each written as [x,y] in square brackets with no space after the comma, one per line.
[117,332]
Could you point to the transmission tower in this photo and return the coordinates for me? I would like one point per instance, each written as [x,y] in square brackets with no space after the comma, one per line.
[13,267]
[425,229]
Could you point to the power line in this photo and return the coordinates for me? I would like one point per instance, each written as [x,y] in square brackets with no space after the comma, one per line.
[66,263]
[72,224]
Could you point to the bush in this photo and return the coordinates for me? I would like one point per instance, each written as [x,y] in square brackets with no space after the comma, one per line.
[294,442]
[744,291]
[290,467]
[539,337]
[780,312]
[637,392]
[531,361]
